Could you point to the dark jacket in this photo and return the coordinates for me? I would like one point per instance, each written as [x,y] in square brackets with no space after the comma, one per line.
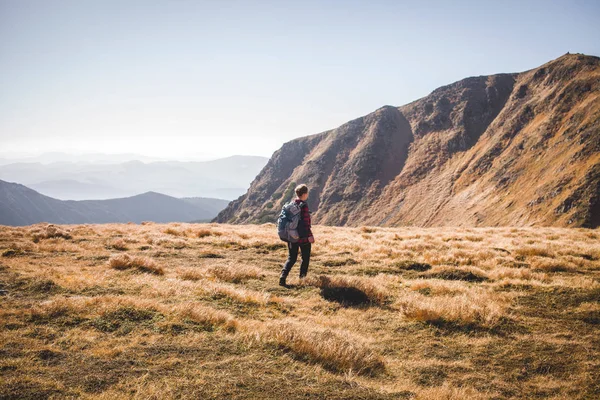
[304,230]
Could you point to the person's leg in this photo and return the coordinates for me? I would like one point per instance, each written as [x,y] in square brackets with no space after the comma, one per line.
[305,259]
[291,260]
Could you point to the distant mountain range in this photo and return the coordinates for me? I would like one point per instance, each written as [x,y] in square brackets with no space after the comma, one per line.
[225,178]
[514,149]
[20,205]
[84,158]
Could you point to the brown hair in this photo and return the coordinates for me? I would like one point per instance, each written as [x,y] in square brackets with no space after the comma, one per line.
[301,189]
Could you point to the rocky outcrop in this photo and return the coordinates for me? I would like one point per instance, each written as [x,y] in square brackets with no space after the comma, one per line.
[508,149]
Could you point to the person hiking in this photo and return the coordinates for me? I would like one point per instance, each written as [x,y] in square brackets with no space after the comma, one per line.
[304,242]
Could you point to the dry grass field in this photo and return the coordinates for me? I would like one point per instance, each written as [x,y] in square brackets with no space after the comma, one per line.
[158,311]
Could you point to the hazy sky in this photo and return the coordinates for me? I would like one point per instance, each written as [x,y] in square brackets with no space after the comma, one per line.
[181,77]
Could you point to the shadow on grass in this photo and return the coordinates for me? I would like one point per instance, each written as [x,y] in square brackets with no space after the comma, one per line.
[456,275]
[346,296]
[406,268]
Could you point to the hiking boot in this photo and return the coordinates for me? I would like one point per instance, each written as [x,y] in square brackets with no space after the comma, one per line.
[281,281]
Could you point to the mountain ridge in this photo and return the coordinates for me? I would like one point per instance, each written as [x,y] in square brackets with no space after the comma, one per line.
[20,205]
[225,178]
[504,149]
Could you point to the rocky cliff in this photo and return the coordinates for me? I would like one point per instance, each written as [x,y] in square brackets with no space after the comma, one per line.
[510,149]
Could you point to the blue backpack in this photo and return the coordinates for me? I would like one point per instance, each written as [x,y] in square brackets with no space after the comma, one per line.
[287,223]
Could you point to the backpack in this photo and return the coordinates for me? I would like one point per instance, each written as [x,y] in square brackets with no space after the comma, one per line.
[288,221]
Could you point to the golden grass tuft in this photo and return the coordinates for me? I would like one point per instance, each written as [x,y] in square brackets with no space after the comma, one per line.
[527,274]
[334,350]
[206,316]
[476,307]
[240,295]
[438,287]
[142,264]
[236,274]
[174,232]
[175,244]
[367,229]
[552,265]
[48,232]
[58,307]
[473,238]
[119,244]
[531,251]
[112,313]
[202,233]
[57,246]
[85,307]
[192,275]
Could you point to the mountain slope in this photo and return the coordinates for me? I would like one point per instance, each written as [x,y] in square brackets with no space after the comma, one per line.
[507,149]
[20,205]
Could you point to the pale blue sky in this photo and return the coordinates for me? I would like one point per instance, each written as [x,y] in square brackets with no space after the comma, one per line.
[178,78]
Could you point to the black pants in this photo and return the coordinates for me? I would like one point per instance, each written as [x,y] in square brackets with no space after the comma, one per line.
[293,256]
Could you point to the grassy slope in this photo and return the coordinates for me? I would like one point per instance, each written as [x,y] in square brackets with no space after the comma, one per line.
[194,310]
